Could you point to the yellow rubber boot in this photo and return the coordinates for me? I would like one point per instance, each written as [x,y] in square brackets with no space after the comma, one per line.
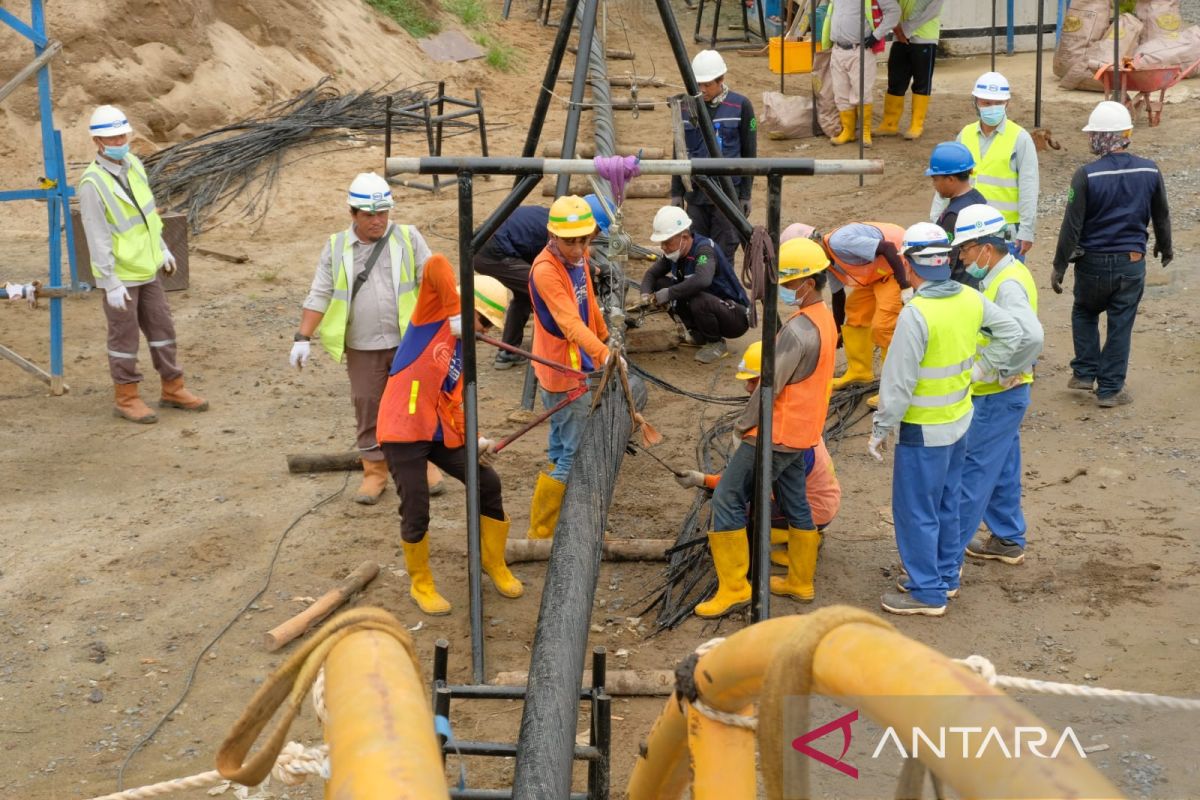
[847,135]
[779,557]
[779,536]
[375,474]
[731,555]
[802,566]
[867,109]
[920,108]
[493,534]
[543,511]
[416,559]
[893,108]
[873,400]
[859,350]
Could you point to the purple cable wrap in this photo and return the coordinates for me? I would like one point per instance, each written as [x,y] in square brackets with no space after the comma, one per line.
[618,171]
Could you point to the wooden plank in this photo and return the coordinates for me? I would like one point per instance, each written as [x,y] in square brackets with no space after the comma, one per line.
[354,583]
[617,682]
[518,551]
[323,462]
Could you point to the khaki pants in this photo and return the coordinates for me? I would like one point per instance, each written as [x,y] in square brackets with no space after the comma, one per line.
[843,74]
[368,371]
[147,311]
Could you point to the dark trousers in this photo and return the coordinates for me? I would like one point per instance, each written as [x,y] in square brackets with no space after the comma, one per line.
[1109,284]
[406,462]
[911,63]
[706,316]
[732,496]
[513,273]
[710,221]
[147,311]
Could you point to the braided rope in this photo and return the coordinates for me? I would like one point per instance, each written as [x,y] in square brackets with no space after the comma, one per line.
[748,722]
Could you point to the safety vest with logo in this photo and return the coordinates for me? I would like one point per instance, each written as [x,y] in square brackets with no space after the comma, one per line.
[798,414]
[943,390]
[1016,271]
[873,271]
[549,340]
[725,284]
[995,177]
[405,282]
[137,244]
[727,125]
[930,30]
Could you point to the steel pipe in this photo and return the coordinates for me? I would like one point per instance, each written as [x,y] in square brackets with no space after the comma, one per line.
[448,165]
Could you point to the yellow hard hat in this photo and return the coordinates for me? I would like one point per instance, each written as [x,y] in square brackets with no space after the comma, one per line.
[800,258]
[491,299]
[570,215]
[751,363]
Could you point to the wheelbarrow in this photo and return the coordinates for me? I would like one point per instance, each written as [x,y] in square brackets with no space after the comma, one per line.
[1144,81]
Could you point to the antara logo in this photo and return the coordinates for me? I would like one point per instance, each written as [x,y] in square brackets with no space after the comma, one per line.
[842,723]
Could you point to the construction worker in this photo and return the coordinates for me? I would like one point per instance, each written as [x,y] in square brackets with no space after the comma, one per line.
[910,61]
[568,329]
[854,39]
[1006,162]
[950,168]
[421,422]
[736,130]
[507,257]
[991,477]
[124,236]
[1103,232]
[804,356]
[696,283]
[925,394]
[360,302]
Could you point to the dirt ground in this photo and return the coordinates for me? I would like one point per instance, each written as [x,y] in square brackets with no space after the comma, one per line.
[126,548]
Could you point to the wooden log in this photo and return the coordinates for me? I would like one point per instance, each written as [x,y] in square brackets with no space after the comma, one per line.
[518,551]
[280,635]
[642,187]
[628,105]
[589,151]
[323,462]
[237,258]
[623,80]
[619,55]
[617,682]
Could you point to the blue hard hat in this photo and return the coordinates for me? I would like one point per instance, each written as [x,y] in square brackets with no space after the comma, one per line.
[950,158]
[598,212]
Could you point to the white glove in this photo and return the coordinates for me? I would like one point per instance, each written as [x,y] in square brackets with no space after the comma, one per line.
[876,446]
[906,295]
[691,479]
[487,451]
[168,266]
[456,325]
[116,298]
[300,353]
[978,372]
[17,291]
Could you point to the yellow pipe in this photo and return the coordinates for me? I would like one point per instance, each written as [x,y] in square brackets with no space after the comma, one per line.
[379,727]
[661,769]
[722,758]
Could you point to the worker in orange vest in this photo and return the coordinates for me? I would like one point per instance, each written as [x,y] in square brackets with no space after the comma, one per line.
[421,421]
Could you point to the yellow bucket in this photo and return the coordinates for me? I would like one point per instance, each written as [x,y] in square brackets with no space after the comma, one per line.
[797,55]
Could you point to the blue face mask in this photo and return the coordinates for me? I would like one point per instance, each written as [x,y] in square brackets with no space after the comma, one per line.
[992,115]
[787,296]
[977,272]
[116,152]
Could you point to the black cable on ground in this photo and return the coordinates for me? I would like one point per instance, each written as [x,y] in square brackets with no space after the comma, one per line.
[738,400]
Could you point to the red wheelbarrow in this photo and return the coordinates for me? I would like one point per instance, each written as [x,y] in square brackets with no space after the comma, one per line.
[1145,81]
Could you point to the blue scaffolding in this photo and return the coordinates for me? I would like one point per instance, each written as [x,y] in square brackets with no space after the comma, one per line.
[52,189]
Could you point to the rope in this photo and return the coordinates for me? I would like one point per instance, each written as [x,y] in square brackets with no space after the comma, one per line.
[318,695]
[758,268]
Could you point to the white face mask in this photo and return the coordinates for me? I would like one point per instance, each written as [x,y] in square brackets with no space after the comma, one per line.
[673,256]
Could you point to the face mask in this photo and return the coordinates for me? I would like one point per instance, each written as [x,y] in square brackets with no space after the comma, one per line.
[116,152]
[787,296]
[672,256]
[992,115]
[976,271]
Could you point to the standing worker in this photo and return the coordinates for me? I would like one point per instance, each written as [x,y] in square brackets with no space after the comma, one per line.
[124,236]
[1006,162]
[1109,205]
[911,60]
[736,130]
[925,391]
[991,477]
[696,283]
[568,329]
[421,422]
[361,312]
[855,38]
[804,356]
[950,168]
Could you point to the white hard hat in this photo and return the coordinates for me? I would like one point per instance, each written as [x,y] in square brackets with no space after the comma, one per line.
[977,222]
[1109,115]
[708,66]
[669,221]
[369,192]
[991,86]
[927,248]
[109,121]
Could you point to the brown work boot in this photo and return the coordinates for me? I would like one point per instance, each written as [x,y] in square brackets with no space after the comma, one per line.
[130,406]
[375,475]
[176,395]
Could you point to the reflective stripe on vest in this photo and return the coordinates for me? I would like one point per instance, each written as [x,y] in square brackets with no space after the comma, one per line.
[994,176]
[929,30]
[873,271]
[566,351]
[405,281]
[943,390]
[137,245]
[1016,271]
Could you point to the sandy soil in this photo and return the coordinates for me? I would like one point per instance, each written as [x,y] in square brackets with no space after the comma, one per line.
[126,548]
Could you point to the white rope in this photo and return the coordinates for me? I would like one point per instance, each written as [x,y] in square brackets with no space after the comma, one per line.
[318,695]
[749,722]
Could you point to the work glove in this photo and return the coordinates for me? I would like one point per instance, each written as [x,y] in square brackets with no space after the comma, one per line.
[662,297]
[169,265]
[299,355]
[1165,256]
[691,479]
[1012,381]
[876,446]
[456,325]
[979,372]
[677,200]
[1056,279]
[647,299]
[17,292]
[487,451]
[744,204]
[116,298]
[870,41]
[906,294]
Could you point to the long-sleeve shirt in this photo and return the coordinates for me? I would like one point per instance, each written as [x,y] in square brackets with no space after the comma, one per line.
[1024,162]
[95,229]
[899,379]
[797,351]
[845,24]
[747,136]
[1012,298]
[705,269]
[922,11]
[373,320]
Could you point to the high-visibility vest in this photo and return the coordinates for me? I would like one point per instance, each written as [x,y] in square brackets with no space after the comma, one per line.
[853,275]
[137,243]
[994,176]
[1016,271]
[422,401]
[549,340]
[405,273]
[943,390]
[930,30]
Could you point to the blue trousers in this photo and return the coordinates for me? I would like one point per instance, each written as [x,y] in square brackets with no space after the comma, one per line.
[1109,284]
[926,486]
[731,498]
[566,430]
[991,476]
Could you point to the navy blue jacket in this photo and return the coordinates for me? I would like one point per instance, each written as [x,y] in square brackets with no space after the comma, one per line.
[523,235]
[704,268]
[737,135]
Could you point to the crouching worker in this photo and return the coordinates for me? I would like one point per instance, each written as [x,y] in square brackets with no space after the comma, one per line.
[421,421]
[804,357]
